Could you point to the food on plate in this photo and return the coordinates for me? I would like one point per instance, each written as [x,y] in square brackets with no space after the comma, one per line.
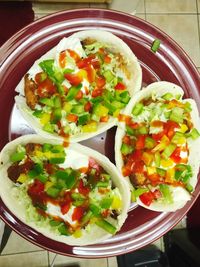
[71,194]
[78,88]
[157,147]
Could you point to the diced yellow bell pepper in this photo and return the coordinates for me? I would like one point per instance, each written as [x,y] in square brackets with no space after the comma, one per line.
[47,185]
[169,178]
[90,127]
[45,118]
[151,170]
[116,113]
[39,154]
[77,233]
[67,107]
[147,158]
[164,142]
[166,163]
[82,74]
[117,203]
[49,154]
[22,178]
[101,111]
[183,128]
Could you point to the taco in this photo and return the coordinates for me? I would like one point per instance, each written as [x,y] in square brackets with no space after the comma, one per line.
[73,195]
[78,88]
[157,147]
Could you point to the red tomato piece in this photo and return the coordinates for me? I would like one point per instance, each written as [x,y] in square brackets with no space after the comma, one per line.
[126,140]
[62,57]
[175,156]
[46,88]
[74,79]
[169,128]
[100,81]
[90,73]
[140,142]
[97,92]
[72,117]
[74,55]
[107,59]
[79,95]
[136,155]
[88,106]
[64,207]
[104,119]
[157,194]
[120,86]
[147,198]
[84,190]
[78,213]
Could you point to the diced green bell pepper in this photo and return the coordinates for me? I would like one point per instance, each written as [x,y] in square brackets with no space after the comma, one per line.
[86,218]
[168,150]
[54,223]
[126,149]
[53,192]
[57,102]
[106,202]
[194,134]
[83,119]
[138,108]
[48,127]
[38,113]
[17,156]
[155,45]
[47,101]
[77,109]
[161,172]
[177,115]
[167,96]
[149,142]
[165,190]
[96,210]
[63,230]
[46,147]
[73,92]
[108,227]
[56,115]
[108,75]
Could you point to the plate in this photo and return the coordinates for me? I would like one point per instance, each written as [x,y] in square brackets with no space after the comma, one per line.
[170,63]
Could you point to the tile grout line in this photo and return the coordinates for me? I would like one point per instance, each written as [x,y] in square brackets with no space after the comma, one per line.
[145,10]
[198,22]
[19,253]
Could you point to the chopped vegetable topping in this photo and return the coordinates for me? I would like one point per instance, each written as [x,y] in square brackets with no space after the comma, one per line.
[155,147]
[155,45]
[69,199]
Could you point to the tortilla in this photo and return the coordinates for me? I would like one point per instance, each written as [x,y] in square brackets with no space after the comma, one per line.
[19,206]
[128,68]
[179,194]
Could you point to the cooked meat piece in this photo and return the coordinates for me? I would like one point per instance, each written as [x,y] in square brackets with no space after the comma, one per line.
[30,92]
[123,66]
[15,169]
[31,147]
[138,179]
[88,41]
[114,214]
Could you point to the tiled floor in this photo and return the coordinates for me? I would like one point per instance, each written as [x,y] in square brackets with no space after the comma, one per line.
[178,18]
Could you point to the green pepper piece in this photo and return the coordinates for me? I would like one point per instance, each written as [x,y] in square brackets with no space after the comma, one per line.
[177,137]
[194,134]
[57,102]
[53,192]
[46,147]
[138,108]
[189,188]
[167,96]
[57,149]
[47,101]
[77,196]
[108,75]
[57,115]
[155,45]
[48,128]
[165,190]
[83,119]
[100,110]
[73,92]
[68,71]
[126,149]
[140,191]
[105,177]
[108,227]
[42,178]
[86,218]
[63,229]
[102,184]
[177,115]
[157,159]
[149,142]
[130,131]
[77,109]
[47,66]
[69,177]
[38,113]
[17,156]
[54,223]
[143,130]
[168,150]
[125,97]
[187,107]
[96,210]
[161,172]
[106,202]
[58,159]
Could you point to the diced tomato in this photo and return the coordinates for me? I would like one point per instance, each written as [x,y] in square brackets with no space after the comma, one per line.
[79,95]
[64,207]
[91,60]
[90,73]
[104,118]
[175,156]
[157,137]
[147,198]
[125,118]
[107,59]
[154,177]
[100,81]
[136,155]
[62,58]
[40,77]
[120,86]
[84,190]
[74,79]
[126,140]
[49,168]
[140,142]
[97,92]
[105,213]
[157,194]
[74,55]
[126,171]
[36,192]
[78,213]
[46,88]
[157,124]
[169,128]
[88,106]
[138,167]
[72,117]
[133,125]
[101,51]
